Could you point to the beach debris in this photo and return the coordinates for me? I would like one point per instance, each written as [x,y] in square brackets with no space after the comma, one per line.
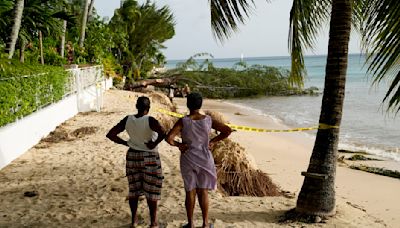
[83,131]
[352,152]
[58,135]
[31,193]
[216,116]
[360,157]
[160,98]
[238,175]
[377,170]
[163,102]
[356,206]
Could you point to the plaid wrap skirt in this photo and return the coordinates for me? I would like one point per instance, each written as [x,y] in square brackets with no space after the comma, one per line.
[144,172]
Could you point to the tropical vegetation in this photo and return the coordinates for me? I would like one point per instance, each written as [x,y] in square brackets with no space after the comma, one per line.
[239,81]
[71,32]
[25,88]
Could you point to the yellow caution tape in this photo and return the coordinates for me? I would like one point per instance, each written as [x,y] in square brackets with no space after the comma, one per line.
[245,128]
[174,114]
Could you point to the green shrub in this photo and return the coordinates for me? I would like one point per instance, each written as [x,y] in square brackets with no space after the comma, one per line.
[51,57]
[230,83]
[26,88]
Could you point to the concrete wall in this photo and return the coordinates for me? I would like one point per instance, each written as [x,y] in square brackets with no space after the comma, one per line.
[18,137]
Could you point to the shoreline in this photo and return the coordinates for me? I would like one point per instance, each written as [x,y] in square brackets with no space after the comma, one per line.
[285,155]
[387,157]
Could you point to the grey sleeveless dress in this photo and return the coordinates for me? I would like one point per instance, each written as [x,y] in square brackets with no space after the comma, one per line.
[197,163]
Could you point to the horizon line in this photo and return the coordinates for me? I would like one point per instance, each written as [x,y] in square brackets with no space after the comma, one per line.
[275,56]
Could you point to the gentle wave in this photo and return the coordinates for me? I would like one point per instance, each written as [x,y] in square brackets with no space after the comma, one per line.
[387,153]
[258,112]
[392,155]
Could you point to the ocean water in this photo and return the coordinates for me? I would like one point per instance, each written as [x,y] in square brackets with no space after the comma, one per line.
[365,124]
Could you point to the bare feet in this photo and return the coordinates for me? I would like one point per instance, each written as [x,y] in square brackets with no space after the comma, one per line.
[154,225]
[189,225]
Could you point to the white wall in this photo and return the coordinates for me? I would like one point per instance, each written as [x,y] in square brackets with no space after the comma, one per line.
[18,137]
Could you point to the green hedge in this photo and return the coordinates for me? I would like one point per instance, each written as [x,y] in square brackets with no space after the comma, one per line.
[25,88]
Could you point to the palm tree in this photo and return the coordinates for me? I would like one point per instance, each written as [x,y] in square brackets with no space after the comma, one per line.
[317,195]
[63,33]
[378,21]
[84,22]
[138,32]
[41,19]
[18,8]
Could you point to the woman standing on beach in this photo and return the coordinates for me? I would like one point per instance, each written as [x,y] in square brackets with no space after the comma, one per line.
[196,163]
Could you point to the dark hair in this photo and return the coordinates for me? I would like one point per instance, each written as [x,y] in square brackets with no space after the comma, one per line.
[194,101]
[143,103]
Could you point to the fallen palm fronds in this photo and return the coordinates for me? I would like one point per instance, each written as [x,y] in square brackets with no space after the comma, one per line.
[376,170]
[352,152]
[160,100]
[237,176]
[83,131]
[359,157]
[216,116]
[59,134]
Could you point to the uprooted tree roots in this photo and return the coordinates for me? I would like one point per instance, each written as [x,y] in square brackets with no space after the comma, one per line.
[237,176]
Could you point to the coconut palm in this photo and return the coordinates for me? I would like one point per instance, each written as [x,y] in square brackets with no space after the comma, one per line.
[18,9]
[138,33]
[380,29]
[40,16]
[84,21]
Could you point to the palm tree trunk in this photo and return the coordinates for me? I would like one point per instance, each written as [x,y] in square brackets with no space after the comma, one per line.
[317,195]
[84,21]
[41,47]
[91,6]
[22,51]
[19,8]
[62,46]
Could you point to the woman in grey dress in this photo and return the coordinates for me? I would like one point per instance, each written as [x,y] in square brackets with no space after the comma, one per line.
[196,163]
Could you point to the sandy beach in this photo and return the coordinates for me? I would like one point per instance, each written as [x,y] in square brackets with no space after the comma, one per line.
[79,179]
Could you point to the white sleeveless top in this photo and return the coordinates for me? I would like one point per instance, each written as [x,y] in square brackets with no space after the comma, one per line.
[139,132]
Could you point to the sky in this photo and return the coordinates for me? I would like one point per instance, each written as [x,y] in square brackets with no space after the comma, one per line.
[265,32]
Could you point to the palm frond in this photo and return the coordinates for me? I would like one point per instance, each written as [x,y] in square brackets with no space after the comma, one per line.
[381,40]
[306,19]
[226,15]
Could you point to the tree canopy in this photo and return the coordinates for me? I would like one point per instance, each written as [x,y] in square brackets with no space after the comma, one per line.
[132,40]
